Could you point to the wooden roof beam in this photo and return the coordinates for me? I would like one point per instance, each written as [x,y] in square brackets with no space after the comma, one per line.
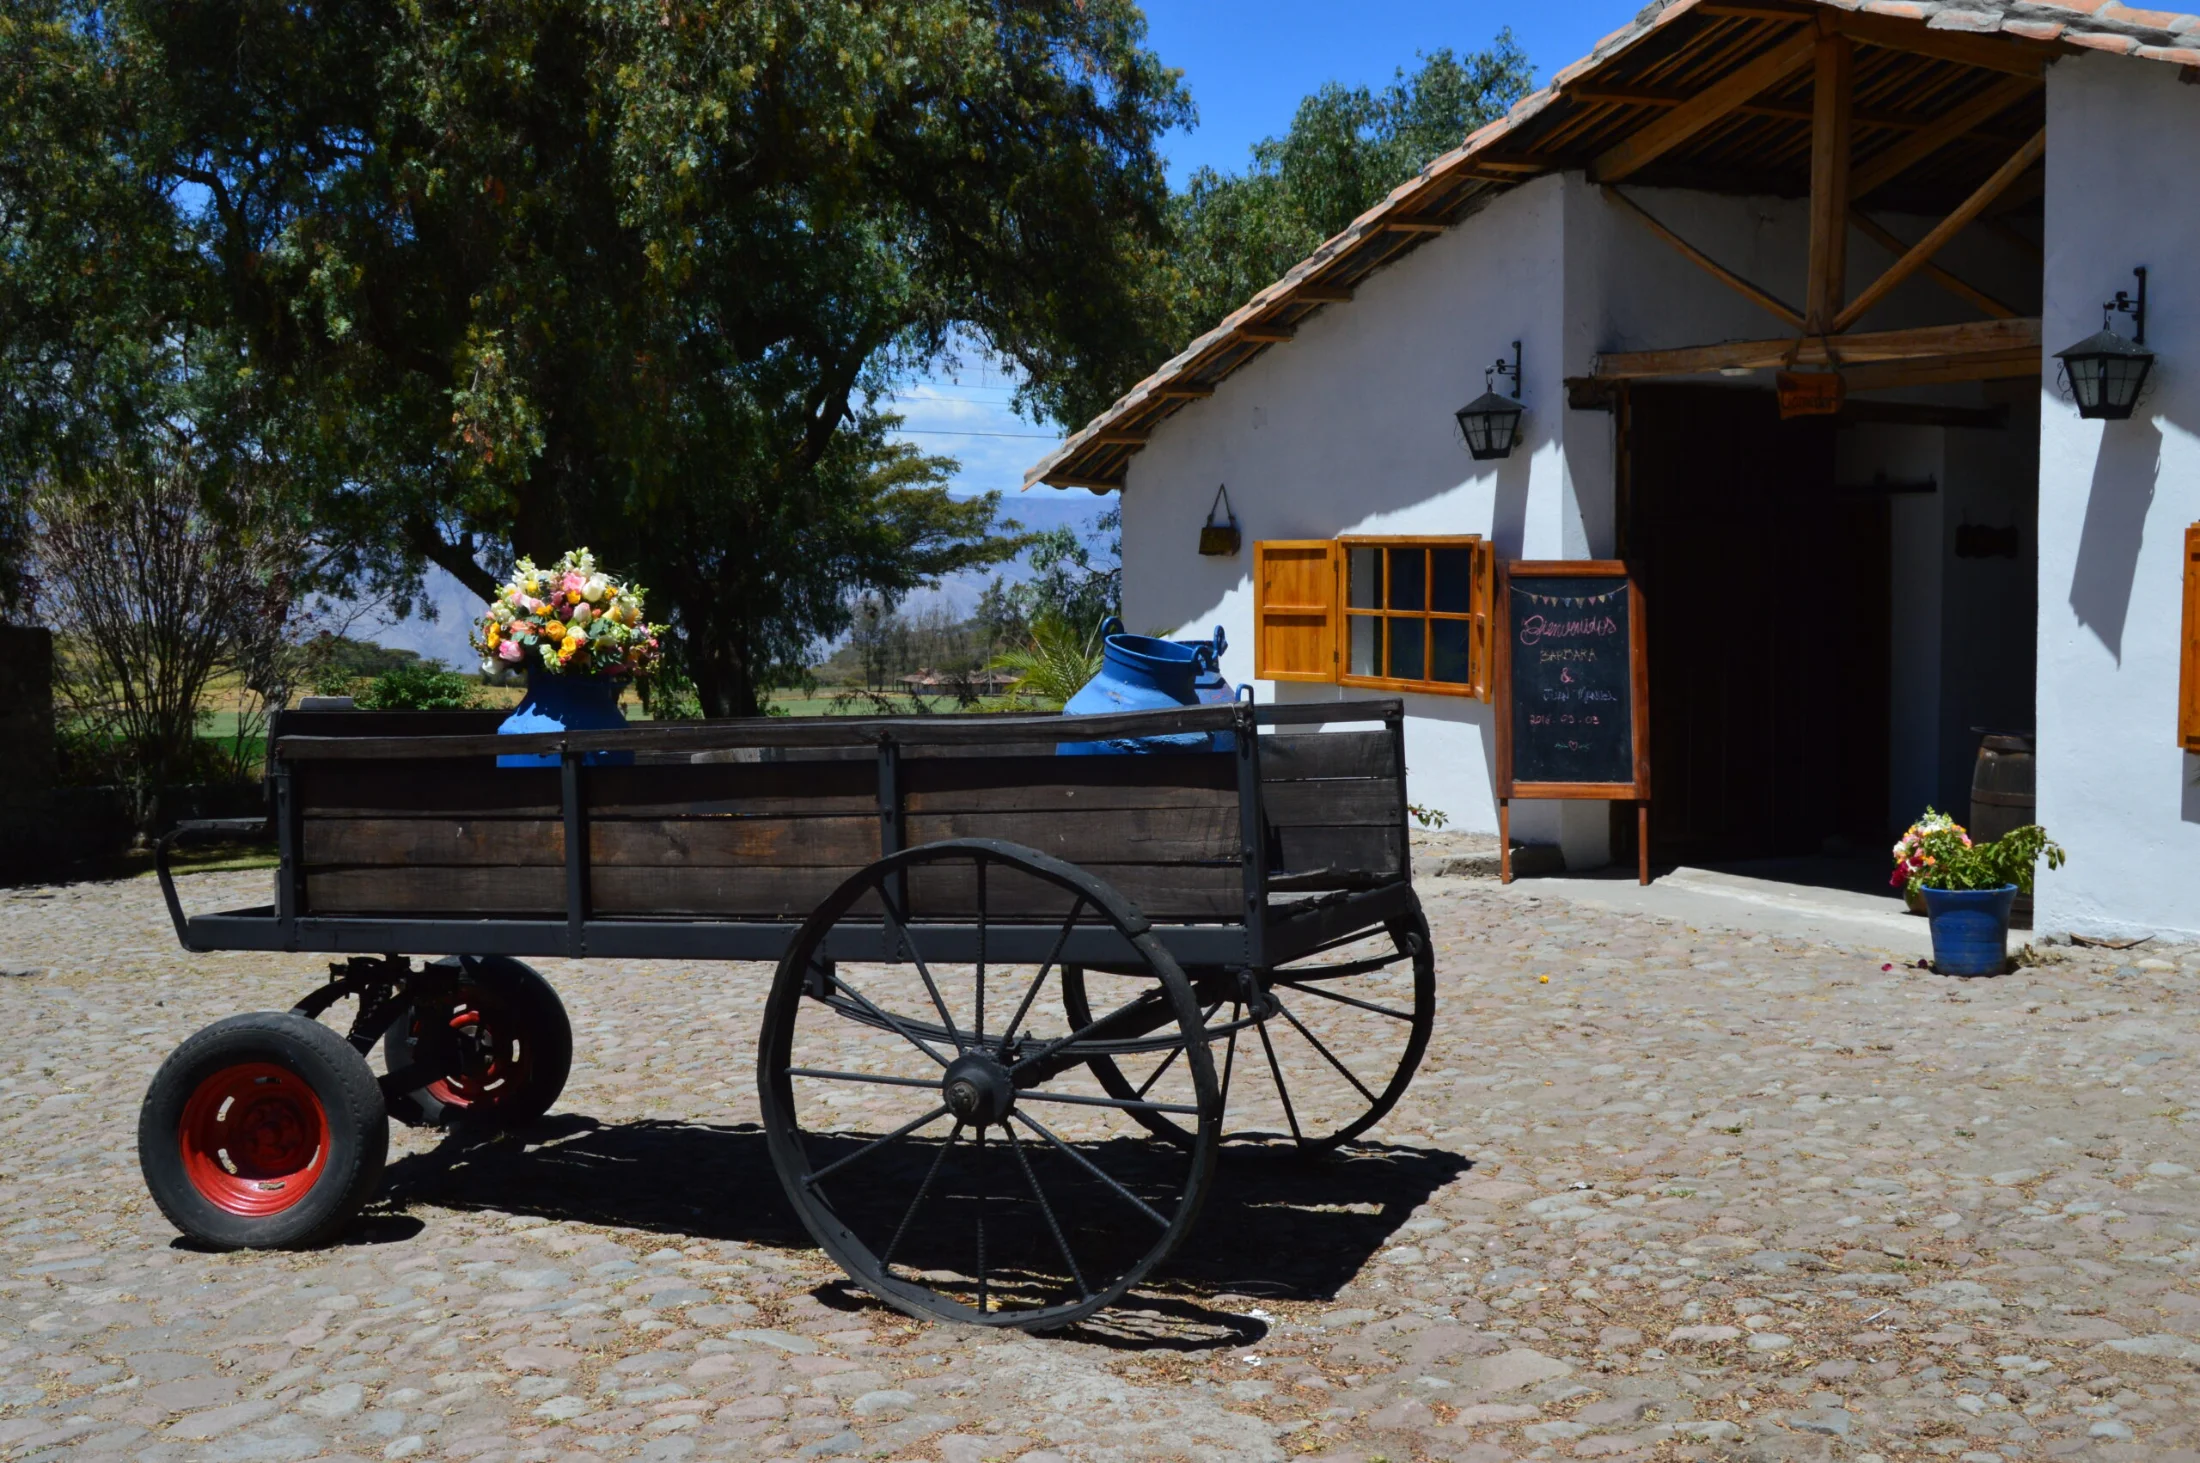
[1185,390]
[1958,121]
[1961,289]
[1715,102]
[1992,53]
[1119,439]
[1068,480]
[1976,337]
[1265,334]
[1762,298]
[1413,226]
[1780,111]
[1925,248]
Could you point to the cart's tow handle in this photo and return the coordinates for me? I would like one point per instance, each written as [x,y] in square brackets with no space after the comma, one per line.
[193,827]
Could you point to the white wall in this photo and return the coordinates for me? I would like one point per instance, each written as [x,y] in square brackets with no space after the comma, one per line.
[2115,498]
[1348,428]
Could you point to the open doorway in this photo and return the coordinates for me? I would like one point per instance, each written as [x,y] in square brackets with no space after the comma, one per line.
[1768,604]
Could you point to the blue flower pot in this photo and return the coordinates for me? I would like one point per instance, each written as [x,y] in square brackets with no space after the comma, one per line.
[556,703]
[1140,673]
[1970,929]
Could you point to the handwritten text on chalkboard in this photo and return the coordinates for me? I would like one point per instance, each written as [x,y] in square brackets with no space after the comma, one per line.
[1572,713]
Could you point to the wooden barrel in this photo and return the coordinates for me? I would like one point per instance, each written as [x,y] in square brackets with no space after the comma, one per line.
[2001,787]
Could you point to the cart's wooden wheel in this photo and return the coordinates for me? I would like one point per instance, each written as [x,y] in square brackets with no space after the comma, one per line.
[1317,1050]
[934,1123]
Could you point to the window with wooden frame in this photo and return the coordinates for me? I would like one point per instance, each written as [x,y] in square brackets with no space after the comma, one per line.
[2188,679]
[1395,614]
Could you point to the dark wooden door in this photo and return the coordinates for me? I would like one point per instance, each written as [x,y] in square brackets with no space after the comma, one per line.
[1768,606]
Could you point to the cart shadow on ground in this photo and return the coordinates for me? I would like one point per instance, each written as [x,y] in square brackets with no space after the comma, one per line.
[1277,1225]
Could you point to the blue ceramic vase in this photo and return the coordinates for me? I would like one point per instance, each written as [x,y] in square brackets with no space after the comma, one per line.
[1139,673]
[1970,929]
[555,703]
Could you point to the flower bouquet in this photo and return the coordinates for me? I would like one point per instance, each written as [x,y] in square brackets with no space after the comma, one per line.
[570,619]
[580,636]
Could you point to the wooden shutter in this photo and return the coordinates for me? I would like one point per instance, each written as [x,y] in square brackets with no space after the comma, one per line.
[2188,680]
[1295,610]
[1481,644]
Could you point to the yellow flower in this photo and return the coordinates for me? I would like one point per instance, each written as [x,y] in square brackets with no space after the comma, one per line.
[555,629]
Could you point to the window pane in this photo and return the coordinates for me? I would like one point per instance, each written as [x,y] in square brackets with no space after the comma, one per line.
[1451,572]
[1362,658]
[1408,579]
[1449,662]
[1364,579]
[1406,640]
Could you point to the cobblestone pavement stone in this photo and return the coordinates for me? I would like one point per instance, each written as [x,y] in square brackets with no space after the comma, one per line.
[1696,1195]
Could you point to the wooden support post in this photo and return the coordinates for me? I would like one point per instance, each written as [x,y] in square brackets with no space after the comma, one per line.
[1642,842]
[1961,289]
[1831,101]
[1504,841]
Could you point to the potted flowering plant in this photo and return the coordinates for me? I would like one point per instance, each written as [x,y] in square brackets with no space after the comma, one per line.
[1969,889]
[579,635]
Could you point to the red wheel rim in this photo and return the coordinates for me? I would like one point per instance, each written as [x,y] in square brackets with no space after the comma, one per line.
[493,1063]
[254,1139]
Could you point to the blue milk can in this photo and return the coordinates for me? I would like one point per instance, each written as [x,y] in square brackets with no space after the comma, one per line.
[1139,673]
[1210,685]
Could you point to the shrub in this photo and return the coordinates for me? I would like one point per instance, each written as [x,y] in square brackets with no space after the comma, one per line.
[421,686]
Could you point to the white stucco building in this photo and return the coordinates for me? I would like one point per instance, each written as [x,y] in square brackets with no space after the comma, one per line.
[1928,200]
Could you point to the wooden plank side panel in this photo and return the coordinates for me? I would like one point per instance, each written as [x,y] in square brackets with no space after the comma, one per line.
[1168,835]
[797,843]
[1360,802]
[718,893]
[1161,892]
[425,890]
[1295,610]
[2188,691]
[1038,784]
[1316,857]
[1300,756]
[450,787]
[437,842]
[734,789]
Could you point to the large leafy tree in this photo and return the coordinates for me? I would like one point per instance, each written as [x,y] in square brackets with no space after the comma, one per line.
[636,273]
[1347,147]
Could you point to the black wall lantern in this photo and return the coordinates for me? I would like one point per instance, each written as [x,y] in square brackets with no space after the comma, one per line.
[1491,423]
[2105,371]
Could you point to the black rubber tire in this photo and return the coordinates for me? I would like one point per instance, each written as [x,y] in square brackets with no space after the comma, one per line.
[520,1006]
[358,1130]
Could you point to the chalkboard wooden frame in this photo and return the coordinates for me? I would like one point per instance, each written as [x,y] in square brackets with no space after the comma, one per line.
[1636,790]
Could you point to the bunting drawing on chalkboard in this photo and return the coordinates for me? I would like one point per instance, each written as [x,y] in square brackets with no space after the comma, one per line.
[1572,602]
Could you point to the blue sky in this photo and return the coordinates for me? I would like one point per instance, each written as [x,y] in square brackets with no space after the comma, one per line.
[1247,63]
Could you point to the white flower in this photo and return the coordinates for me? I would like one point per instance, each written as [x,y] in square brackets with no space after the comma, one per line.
[594,589]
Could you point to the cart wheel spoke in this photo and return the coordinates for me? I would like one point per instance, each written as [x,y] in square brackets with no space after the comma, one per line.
[1031,992]
[1282,1089]
[886,1259]
[908,942]
[840,983]
[1092,1168]
[1316,1043]
[1315,990]
[819,1176]
[1054,1226]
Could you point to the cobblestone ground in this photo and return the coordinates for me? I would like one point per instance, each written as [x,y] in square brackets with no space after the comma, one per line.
[1694,1195]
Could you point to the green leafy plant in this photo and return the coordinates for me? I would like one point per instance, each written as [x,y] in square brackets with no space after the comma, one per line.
[423,686]
[1057,663]
[1428,817]
[1947,859]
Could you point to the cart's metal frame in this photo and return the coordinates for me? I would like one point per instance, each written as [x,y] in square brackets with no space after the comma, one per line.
[1268,933]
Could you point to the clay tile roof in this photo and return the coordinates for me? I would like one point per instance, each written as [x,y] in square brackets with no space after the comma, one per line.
[1953,51]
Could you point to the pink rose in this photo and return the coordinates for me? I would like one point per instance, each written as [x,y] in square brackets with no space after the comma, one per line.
[509,649]
[572,583]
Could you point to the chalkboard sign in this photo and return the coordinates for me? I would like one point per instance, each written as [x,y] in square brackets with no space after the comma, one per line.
[1571,710]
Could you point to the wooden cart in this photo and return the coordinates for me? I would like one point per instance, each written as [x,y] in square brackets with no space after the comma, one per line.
[1016,993]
